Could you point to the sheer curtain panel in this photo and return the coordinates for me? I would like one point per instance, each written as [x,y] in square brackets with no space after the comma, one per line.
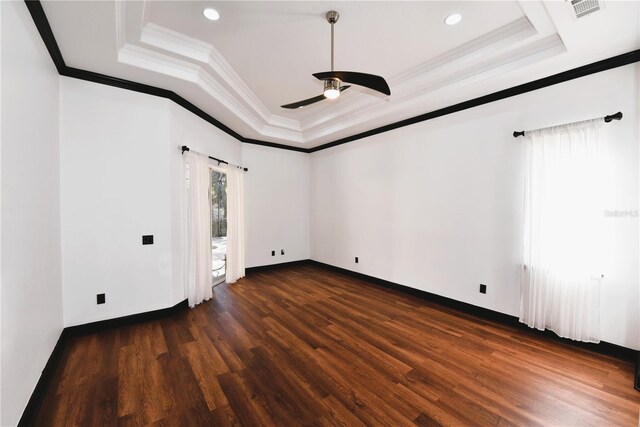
[235,223]
[197,251]
[563,230]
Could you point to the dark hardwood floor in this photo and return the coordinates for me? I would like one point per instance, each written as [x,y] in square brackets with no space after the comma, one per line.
[305,346]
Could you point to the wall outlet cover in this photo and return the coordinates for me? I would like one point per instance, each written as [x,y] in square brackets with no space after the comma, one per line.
[273,253]
[356,260]
[101,298]
[147,240]
[483,288]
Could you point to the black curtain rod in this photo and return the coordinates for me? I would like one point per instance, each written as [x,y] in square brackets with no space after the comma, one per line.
[185,148]
[607,119]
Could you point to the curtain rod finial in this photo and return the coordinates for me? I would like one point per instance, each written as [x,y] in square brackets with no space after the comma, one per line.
[517,134]
[616,116]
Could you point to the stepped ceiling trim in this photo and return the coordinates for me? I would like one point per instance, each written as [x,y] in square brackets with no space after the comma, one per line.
[157,49]
[189,71]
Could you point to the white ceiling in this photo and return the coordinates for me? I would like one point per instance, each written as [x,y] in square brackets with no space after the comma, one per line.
[261,54]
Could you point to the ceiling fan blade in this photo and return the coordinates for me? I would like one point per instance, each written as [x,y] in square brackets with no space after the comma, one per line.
[299,104]
[309,101]
[367,80]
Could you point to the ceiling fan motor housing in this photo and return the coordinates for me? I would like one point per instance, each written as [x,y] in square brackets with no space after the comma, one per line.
[332,84]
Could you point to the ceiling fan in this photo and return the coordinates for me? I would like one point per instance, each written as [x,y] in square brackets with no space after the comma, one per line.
[333,79]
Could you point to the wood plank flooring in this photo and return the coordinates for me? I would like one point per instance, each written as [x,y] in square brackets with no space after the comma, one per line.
[305,346]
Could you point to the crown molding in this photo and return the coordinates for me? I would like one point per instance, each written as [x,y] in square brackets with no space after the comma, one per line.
[214,68]
[426,86]
[42,24]
[595,67]
[140,57]
[173,41]
[417,79]
[494,52]
[506,36]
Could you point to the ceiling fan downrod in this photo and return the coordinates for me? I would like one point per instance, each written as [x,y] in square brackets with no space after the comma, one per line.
[332,18]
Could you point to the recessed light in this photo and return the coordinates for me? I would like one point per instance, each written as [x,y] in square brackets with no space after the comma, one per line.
[453,19]
[211,14]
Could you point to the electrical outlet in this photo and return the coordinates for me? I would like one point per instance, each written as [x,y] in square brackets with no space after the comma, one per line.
[356,260]
[281,251]
[483,288]
[273,253]
[100,299]
[147,240]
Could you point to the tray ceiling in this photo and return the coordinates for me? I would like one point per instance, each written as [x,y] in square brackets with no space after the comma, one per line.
[260,55]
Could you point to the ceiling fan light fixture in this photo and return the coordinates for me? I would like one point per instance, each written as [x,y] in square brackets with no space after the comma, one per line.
[331,88]
[453,19]
[211,14]
[331,93]
[333,79]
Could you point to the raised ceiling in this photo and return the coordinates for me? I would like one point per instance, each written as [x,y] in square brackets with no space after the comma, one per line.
[260,55]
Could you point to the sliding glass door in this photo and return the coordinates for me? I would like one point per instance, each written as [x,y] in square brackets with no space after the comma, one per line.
[218,224]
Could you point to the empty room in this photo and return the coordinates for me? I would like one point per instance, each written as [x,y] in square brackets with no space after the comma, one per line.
[331,213]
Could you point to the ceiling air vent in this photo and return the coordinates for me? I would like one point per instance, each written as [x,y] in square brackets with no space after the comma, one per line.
[583,8]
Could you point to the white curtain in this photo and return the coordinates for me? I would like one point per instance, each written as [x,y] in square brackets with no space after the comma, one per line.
[563,230]
[235,223]
[197,253]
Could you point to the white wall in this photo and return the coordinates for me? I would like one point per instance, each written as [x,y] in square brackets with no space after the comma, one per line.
[31,280]
[437,206]
[122,176]
[276,205]
[115,187]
